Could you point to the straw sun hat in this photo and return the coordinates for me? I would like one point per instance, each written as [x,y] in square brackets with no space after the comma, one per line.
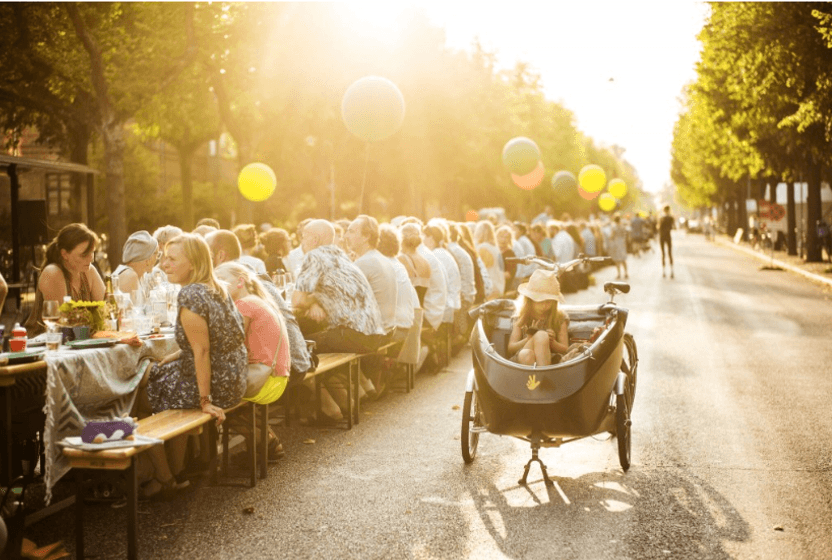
[543,285]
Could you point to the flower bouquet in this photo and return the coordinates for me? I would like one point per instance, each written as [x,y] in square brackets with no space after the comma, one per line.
[76,315]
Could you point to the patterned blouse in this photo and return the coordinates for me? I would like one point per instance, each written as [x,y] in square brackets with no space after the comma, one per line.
[341,289]
[173,385]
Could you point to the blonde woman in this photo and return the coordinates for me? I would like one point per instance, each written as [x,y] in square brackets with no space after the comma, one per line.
[208,370]
[267,340]
[487,250]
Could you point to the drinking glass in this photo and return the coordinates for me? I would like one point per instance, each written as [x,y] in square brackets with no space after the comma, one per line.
[53,340]
[51,313]
[279,281]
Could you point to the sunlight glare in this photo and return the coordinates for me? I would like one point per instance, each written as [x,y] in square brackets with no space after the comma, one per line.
[380,20]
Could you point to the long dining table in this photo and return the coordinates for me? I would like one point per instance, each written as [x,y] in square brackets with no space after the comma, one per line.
[73,386]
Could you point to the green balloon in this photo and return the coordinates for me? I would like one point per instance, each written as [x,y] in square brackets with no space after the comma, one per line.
[373,108]
[563,180]
[521,155]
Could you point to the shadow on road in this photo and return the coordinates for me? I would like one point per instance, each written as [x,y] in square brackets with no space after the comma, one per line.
[661,513]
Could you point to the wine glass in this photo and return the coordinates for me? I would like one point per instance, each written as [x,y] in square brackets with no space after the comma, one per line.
[51,314]
[279,281]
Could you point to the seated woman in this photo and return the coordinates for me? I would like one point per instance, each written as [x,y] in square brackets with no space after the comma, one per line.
[209,369]
[418,269]
[67,271]
[140,253]
[267,341]
[540,328]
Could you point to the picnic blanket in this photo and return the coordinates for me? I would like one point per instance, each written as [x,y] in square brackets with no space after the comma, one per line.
[93,384]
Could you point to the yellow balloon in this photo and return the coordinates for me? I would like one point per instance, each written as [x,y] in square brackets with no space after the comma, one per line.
[607,202]
[617,188]
[592,178]
[256,182]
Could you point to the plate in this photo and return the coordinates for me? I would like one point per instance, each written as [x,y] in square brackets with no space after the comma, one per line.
[24,357]
[78,443]
[91,343]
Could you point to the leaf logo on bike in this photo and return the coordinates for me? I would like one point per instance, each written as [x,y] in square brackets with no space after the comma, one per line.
[532,383]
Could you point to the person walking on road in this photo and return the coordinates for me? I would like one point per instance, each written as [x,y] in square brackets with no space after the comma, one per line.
[618,246]
[666,224]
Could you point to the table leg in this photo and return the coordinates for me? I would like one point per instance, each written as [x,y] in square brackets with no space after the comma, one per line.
[132,510]
[6,438]
[355,366]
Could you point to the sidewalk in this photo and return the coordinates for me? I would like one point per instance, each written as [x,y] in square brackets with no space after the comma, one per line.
[817,272]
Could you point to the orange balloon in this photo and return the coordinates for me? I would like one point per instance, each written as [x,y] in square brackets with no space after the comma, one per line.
[472,216]
[531,180]
[587,195]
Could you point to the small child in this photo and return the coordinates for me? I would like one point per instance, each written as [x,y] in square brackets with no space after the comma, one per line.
[540,328]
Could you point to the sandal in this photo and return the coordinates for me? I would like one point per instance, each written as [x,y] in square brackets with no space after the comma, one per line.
[164,490]
[275,449]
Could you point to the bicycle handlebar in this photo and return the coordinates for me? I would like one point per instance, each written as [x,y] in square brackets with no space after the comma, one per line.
[558,268]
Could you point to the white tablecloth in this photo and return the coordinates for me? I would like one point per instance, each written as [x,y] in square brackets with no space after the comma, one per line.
[94,384]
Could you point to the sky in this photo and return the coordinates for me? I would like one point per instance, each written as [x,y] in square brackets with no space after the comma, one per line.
[620,67]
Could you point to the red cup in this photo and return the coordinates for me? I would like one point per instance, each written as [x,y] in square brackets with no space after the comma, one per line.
[17,344]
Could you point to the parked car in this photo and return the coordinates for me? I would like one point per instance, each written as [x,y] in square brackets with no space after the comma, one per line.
[694,225]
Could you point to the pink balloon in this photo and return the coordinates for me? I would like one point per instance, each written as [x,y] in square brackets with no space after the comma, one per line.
[531,180]
[587,195]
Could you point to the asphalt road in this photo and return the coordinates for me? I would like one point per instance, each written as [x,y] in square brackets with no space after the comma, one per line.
[731,434]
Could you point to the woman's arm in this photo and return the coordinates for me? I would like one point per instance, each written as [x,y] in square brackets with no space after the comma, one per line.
[196,331]
[96,284]
[560,342]
[516,341]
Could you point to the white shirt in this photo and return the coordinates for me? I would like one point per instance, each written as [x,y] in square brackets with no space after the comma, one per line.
[294,260]
[407,300]
[563,246]
[382,278]
[466,272]
[436,295]
[454,284]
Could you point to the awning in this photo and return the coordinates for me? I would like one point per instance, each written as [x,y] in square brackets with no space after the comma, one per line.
[14,165]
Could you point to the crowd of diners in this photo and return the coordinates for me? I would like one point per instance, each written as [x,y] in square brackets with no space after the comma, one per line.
[357,286]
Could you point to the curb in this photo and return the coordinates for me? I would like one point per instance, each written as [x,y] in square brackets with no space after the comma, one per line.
[786,266]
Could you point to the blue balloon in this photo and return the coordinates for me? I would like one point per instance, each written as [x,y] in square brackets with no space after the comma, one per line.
[563,180]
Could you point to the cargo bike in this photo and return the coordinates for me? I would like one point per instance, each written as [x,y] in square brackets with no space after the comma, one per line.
[590,394]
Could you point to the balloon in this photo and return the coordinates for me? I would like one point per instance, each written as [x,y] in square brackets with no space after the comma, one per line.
[521,155]
[256,182]
[617,188]
[564,180]
[531,180]
[587,195]
[373,108]
[472,216]
[592,178]
[607,202]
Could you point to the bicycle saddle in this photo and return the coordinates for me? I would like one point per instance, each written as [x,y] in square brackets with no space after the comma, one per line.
[613,288]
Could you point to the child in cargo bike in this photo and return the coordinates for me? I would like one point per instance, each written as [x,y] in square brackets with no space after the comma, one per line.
[540,332]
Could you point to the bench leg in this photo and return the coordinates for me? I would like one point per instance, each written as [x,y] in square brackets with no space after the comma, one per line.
[132,511]
[212,452]
[264,439]
[79,513]
[355,374]
[352,396]
[252,451]
[225,436]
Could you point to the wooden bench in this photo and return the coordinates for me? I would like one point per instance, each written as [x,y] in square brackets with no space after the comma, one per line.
[329,363]
[165,426]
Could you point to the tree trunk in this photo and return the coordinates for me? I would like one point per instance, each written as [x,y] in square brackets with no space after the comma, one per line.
[791,220]
[813,213]
[186,157]
[114,143]
[742,214]
[245,209]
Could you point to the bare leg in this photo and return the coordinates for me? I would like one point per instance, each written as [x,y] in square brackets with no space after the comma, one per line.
[526,357]
[542,354]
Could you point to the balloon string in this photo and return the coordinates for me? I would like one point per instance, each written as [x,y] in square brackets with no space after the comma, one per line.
[364,178]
